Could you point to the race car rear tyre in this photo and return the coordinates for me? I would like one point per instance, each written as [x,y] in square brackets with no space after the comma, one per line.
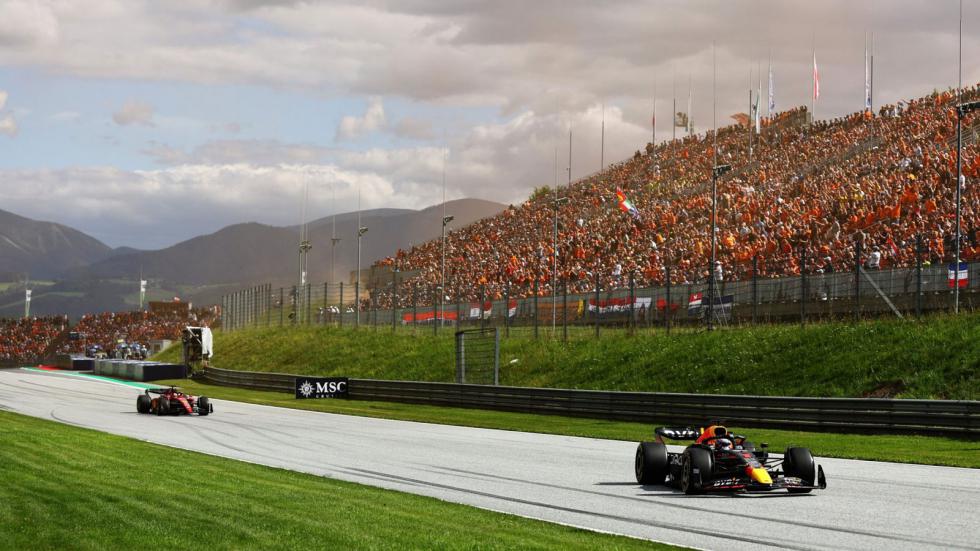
[699,460]
[163,406]
[651,463]
[143,404]
[799,463]
[203,406]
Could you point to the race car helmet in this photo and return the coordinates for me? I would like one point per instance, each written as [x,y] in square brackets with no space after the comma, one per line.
[723,444]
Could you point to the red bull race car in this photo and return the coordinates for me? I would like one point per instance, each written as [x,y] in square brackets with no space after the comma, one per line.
[720,461]
[171,401]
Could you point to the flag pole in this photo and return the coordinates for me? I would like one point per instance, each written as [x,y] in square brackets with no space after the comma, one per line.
[673,114]
[554,272]
[602,140]
[813,78]
[714,183]
[959,169]
[751,115]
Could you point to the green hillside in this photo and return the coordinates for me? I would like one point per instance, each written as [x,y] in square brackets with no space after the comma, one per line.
[936,358]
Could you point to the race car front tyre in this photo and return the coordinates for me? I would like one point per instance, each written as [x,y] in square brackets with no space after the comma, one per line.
[651,463]
[143,404]
[696,466]
[163,406]
[203,406]
[799,463]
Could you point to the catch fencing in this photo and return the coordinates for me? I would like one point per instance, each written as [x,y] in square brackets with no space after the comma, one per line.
[943,417]
[856,294]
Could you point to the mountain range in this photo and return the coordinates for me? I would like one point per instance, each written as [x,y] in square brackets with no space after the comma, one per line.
[85,275]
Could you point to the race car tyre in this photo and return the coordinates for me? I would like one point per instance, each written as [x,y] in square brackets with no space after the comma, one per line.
[203,406]
[799,463]
[143,404]
[163,406]
[695,459]
[651,463]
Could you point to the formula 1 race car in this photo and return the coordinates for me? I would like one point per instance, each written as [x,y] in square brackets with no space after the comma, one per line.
[719,461]
[171,401]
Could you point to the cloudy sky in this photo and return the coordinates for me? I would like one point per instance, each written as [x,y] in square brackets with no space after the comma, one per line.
[145,123]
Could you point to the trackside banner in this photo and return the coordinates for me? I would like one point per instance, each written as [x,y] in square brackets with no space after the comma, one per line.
[321,387]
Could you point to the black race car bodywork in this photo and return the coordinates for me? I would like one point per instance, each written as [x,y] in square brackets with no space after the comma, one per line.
[720,461]
[171,401]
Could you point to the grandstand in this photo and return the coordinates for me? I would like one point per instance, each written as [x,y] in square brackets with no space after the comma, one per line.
[878,180]
[31,340]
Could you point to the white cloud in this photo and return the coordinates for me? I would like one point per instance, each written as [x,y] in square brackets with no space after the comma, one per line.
[353,127]
[3,98]
[8,126]
[134,112]
[27,23]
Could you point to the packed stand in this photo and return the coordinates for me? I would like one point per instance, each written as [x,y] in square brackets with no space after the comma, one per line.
[26,339]
[128,334]
[878,180]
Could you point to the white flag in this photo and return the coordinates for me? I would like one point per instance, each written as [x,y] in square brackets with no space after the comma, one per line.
[867,78]
[27,295]
[142,285]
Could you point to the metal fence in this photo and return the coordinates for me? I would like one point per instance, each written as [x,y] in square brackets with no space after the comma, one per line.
[853,294]
[950,417]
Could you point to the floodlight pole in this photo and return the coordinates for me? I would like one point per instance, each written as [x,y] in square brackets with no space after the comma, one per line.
[442,286]
[961,111]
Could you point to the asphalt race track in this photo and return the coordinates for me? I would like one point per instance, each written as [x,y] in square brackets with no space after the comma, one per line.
[575,481]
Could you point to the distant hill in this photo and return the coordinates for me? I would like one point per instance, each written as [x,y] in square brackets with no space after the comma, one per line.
[90,277]
[44,250]
[252,253]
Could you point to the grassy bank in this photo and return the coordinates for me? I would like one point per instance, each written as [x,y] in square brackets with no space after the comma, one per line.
[903,449]
[64,487]
[936,358]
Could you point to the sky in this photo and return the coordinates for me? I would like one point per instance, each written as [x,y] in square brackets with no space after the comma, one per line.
[146,123]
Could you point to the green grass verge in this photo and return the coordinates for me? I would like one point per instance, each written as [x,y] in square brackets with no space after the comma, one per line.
[936,358]
[931,450]
[64,487]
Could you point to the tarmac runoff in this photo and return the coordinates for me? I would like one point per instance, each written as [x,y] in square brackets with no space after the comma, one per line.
[580,482]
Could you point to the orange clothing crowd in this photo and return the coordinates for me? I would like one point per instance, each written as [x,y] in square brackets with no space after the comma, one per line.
[875,179]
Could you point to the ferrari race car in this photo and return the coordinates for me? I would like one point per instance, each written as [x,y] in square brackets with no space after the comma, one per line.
[171,401]
[719,461]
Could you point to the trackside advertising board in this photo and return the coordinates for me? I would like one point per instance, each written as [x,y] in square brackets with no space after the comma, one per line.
[321,387]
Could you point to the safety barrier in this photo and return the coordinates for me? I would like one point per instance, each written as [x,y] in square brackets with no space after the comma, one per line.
[947,417]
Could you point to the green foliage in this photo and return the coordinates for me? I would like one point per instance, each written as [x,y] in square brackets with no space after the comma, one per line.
[64,487]
[543,192]
[938,358]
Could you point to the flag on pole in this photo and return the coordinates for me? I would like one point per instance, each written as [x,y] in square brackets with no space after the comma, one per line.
[756,112]
[690,101]
[142,285]
[867,78]
[963,273]
[816,79]
[626,205]
[680,119]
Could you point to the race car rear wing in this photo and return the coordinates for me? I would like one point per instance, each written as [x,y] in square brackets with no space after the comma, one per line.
[676,433]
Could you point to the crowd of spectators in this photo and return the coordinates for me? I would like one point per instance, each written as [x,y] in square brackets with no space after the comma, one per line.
[874,180]
[129,330]
[112,333]
[26,339]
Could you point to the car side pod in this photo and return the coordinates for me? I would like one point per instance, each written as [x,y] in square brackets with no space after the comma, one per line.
[821,479]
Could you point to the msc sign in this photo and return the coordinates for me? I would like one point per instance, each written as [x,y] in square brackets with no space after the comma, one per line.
[321,387]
